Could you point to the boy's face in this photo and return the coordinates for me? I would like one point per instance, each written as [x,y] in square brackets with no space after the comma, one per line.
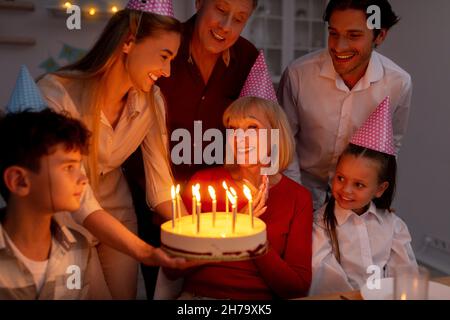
[60,182]
[350,43]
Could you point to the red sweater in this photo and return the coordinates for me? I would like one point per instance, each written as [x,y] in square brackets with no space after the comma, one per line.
[285,271]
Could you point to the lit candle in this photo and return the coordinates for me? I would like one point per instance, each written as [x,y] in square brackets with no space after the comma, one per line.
[233,201]
[212,193]
[233,192]
[224,185]
[173,206]
[194,187]
[199,207]
[248,195]
[177,191]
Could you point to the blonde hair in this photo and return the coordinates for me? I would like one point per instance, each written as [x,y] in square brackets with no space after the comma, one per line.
[93,68]
[276,117]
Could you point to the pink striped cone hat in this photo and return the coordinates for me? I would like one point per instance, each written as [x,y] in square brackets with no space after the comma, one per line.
[377,133]
[259,82]
[162,7]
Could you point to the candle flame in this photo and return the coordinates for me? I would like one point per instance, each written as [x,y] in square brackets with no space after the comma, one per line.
[224,185]
[212,192]
[172,192]
[194,187]
[114,9]
[67,4]
[247,193]
[177,190]
[197,193]
[231,198]
[92,11]
[233,192]
[403,296]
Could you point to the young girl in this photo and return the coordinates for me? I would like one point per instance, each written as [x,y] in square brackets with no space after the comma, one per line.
[357,229]
[285,271]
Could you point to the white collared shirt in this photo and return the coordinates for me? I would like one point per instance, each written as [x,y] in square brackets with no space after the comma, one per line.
[139,125]
[324,113]
[375,238]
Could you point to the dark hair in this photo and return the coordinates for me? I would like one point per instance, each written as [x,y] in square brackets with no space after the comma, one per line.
[387,171]
[25,137]
[388,16]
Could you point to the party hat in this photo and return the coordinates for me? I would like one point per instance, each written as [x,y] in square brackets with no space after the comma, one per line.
[26,94]
[162,7]
[259,82]
[376,133]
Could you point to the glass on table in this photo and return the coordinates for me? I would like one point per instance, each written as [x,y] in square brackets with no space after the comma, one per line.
[411,283]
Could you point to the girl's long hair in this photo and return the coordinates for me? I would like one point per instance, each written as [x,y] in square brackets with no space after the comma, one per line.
[387,171]
[93,68]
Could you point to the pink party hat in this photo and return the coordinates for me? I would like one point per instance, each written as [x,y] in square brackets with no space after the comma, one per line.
[376,133]
[162,7]
[259,82]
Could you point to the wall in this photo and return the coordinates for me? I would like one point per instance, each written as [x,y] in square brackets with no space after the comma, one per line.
[420,44]
[51,33]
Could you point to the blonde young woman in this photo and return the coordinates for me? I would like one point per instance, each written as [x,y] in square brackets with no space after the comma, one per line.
[112,91]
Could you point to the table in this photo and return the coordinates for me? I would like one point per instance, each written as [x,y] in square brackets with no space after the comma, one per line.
[356,295]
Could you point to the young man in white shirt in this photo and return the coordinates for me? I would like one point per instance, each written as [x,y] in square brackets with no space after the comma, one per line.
[328,94]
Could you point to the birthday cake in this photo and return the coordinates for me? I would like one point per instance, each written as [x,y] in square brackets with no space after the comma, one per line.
[217,242]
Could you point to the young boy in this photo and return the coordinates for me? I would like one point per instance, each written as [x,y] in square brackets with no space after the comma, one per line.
[40,167]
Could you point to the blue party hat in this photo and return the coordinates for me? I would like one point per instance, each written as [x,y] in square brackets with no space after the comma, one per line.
[26,94]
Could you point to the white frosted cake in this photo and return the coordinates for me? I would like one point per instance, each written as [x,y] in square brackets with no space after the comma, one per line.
[218,242]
